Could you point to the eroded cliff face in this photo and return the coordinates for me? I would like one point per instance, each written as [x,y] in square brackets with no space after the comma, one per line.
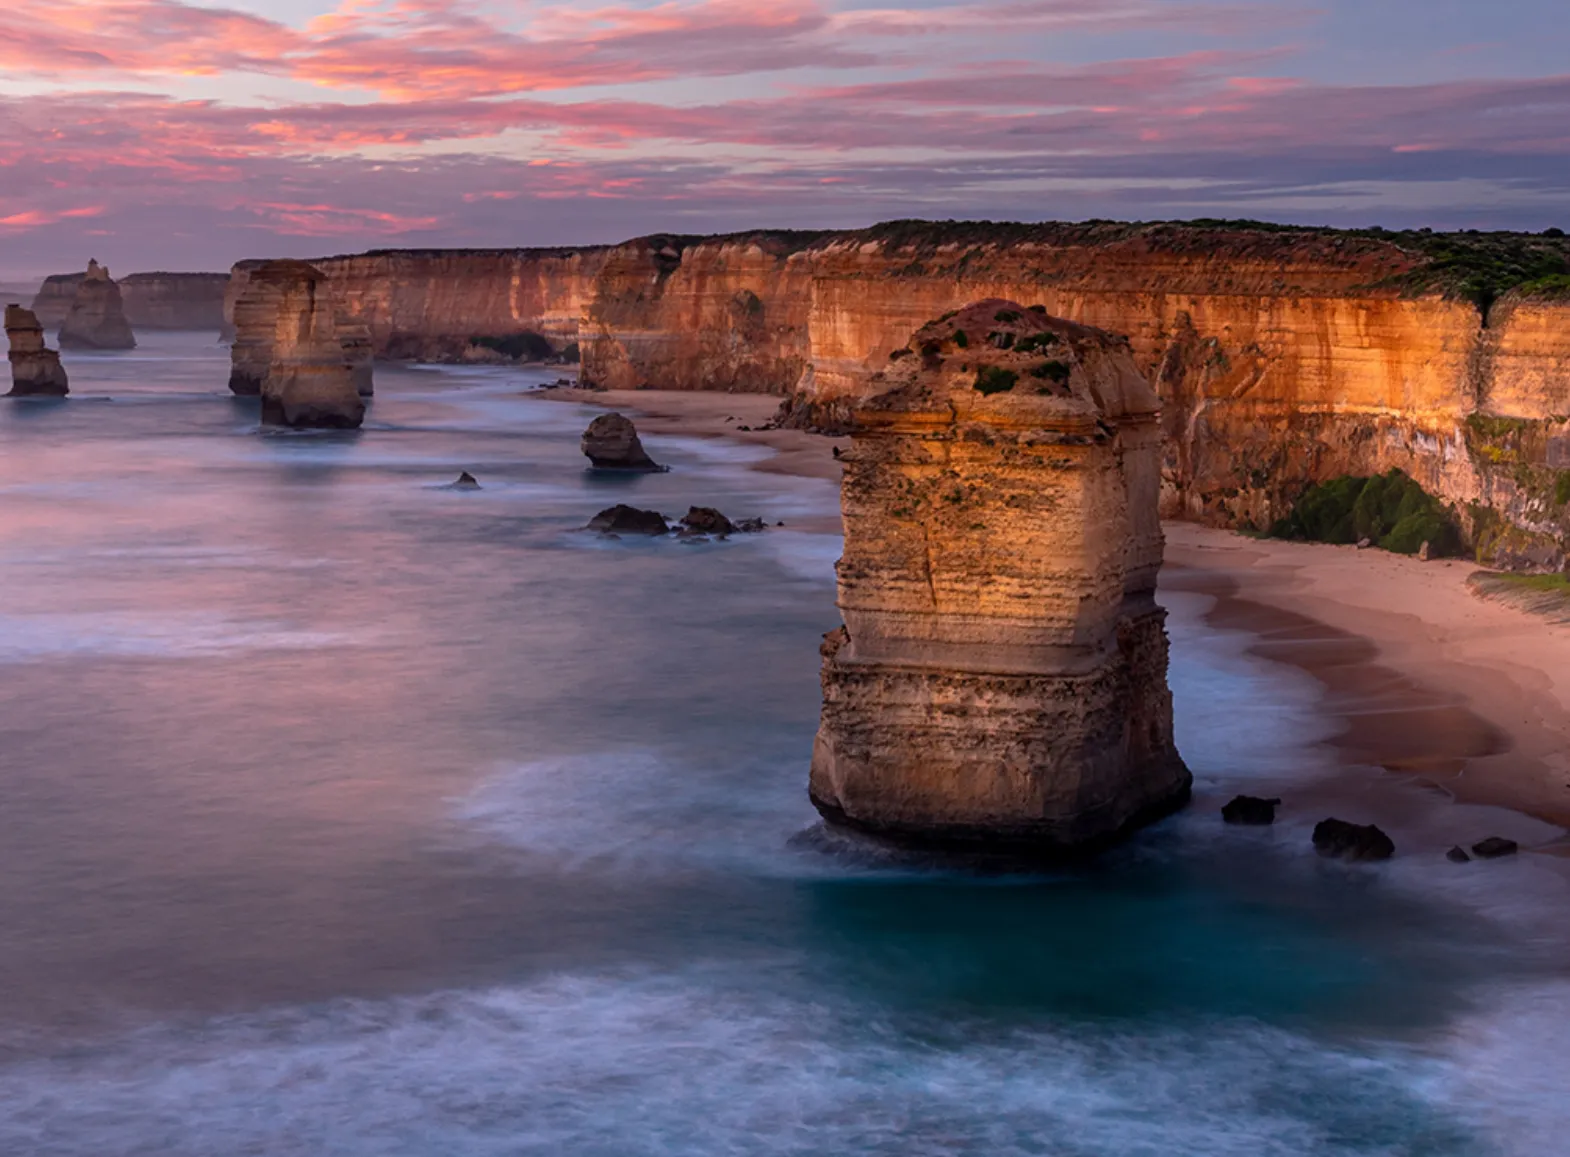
[1000,680]
[35,368]
[179,301]
[97,318]
[1283,357]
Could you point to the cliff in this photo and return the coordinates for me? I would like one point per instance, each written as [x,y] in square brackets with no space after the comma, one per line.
[311,377]
[1001,676]
[97,318]
[35,369]
[178,301]
[1283,356]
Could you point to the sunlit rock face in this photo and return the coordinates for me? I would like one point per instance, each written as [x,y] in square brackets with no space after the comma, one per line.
[1000,681]
[35,369]
[296,349]
[290,318]
[97,319]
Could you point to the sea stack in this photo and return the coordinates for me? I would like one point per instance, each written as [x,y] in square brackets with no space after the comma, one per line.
[36,371]
[611,443]
[1000,680]
[97,318]
[310,378]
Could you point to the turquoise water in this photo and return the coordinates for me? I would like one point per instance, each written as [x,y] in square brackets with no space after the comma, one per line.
[341,813]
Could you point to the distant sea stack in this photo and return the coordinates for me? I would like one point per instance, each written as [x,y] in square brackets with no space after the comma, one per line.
[1000,681]
[173,301]
[97,318]
[310,379]
[36,371]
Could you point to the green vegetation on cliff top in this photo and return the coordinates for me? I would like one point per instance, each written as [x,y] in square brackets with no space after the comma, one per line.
[1389,510]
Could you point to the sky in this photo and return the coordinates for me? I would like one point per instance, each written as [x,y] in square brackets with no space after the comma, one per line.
[161,134]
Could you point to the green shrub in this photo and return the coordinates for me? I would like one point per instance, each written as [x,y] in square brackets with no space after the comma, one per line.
[962,339]
[895,355]
[1006,315]
[1000,339]
[1562,489]
[525,345]
[995,380]
[1053,371]
[1036,341]
[1388,509]
[1038,309]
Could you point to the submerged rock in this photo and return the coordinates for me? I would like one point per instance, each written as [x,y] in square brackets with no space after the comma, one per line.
[1457,855]
[1250,809]
[1341,840]
[466,481]
[611,443]
[36,371]
[1000,683]
[97,318]
[1494,847]
[623,519]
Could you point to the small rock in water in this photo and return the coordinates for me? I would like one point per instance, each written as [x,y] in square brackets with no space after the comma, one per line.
[751,525]
[1457,855]
[707,520]
[1347,841]
[1494,847]
[466,481]
[629,520]
[1250,809]
[611,443]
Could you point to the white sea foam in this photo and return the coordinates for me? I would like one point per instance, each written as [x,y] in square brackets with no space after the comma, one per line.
[607,1066]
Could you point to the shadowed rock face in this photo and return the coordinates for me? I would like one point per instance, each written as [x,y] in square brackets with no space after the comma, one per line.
[181,301]
[611,443]
[35,369]
[97,318]
[310,379]
[1000,681]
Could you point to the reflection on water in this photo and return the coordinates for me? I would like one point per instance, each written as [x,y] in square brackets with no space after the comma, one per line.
[346,814]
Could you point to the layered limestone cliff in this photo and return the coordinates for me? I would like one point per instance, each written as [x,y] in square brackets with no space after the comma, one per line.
[35,369]
[1000,680]
[1283,356]
[311,377]
[261,305]
[97,317]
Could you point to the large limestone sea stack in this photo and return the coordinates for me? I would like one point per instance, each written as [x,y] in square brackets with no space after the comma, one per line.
[36,371]
[1000,681]
[309,365]
[97,318]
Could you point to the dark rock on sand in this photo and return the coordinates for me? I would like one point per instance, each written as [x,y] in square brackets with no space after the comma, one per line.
[1494,847]
[1457,855]
[622,519]
[1347,841]
[1250,809]
[466,481]
[611,443]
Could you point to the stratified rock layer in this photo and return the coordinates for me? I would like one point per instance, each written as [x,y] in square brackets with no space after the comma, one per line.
[1000,681]
[1282,357]
[97,318]
[296,347]
[35,369]
[310,378]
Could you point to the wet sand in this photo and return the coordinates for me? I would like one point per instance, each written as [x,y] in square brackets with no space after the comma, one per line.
[1427,681]
[693,413]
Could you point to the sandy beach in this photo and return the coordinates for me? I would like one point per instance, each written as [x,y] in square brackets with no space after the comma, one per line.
[1427,681]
